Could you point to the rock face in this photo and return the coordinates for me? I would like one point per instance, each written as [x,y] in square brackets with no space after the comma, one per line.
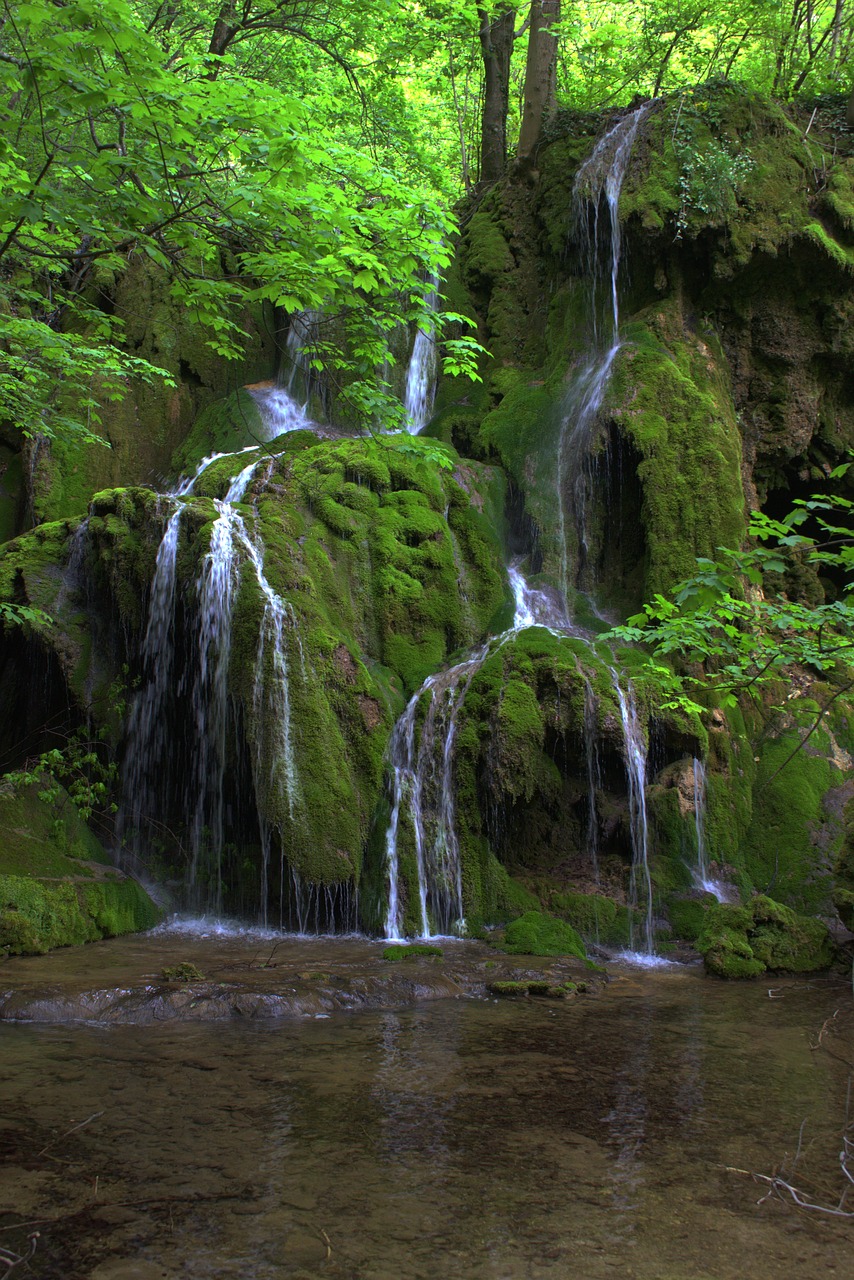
[270,625]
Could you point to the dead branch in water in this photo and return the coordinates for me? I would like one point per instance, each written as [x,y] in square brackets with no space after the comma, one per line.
[11,1261]
[780,1182]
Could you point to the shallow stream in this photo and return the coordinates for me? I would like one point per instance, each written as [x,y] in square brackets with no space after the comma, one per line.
[470,1137]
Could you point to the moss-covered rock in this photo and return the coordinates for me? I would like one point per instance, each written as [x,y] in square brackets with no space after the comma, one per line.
[794,836]
[745,941]
[537,934]
[57,886]
[400,953]
[596,917]
[144,430]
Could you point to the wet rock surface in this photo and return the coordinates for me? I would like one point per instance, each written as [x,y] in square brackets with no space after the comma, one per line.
[252,974]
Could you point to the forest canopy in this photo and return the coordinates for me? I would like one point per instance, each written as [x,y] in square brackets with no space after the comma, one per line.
[307,153]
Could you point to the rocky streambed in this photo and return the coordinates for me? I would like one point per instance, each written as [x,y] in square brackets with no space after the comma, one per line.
[202,971]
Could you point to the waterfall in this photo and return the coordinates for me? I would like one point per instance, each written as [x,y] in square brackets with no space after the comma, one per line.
[422,776]
[215,589]
[204,683]
[147,735]
[275,773]
[406,786]
[640,884]
[280,412]
[279,403]
[538,606]
[598,181]
[701,875]
[591,730]
[421,372]
[422,780]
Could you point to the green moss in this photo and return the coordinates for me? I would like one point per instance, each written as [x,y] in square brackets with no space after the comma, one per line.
[687,916]
[223,427]
[536,934]
[841,254]
[118,906]
[55,888]
[410,951]
[596,917]
[743,942]
[552,991]
[44,839]
[38,915]
[719,156]
[672,401]
[792,838]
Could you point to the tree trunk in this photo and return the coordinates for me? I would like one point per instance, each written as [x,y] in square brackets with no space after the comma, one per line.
[225,29]
[540,71]
[496,43]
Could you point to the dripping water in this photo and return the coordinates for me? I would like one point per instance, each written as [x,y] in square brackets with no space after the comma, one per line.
[420,390]
[701,873]
[598,181]
[641,949]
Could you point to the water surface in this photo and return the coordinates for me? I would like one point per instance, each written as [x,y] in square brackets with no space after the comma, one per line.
[472,1138]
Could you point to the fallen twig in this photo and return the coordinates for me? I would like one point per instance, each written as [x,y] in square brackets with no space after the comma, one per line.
[68,1132]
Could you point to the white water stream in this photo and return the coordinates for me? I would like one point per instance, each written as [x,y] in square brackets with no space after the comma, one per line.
[598,181]
[422,773]
[420,388]
[702,876]
[204,682]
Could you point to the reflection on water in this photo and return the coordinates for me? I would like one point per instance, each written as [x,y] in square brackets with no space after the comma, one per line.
[486,1140]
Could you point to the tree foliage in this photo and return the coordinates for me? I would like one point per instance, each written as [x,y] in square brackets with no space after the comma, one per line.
[734,628]
[303,152]
[134,130]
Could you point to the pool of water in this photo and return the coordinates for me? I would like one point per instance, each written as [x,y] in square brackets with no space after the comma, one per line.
[471,1137]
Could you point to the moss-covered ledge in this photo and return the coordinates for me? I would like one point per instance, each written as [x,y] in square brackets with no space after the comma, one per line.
[57,885]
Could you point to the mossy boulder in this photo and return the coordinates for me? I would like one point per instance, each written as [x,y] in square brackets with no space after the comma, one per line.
[794,835]
[745,941]
[538,934]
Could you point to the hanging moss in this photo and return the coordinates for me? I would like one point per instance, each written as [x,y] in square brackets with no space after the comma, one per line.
[670,397]
[792,839]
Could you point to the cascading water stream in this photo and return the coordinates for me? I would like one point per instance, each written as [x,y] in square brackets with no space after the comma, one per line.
[640,884]
[279,405]
[420,389]
[422,781]
[204,683]
[701,873]
[209,694]
[598,181]
[147,744]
